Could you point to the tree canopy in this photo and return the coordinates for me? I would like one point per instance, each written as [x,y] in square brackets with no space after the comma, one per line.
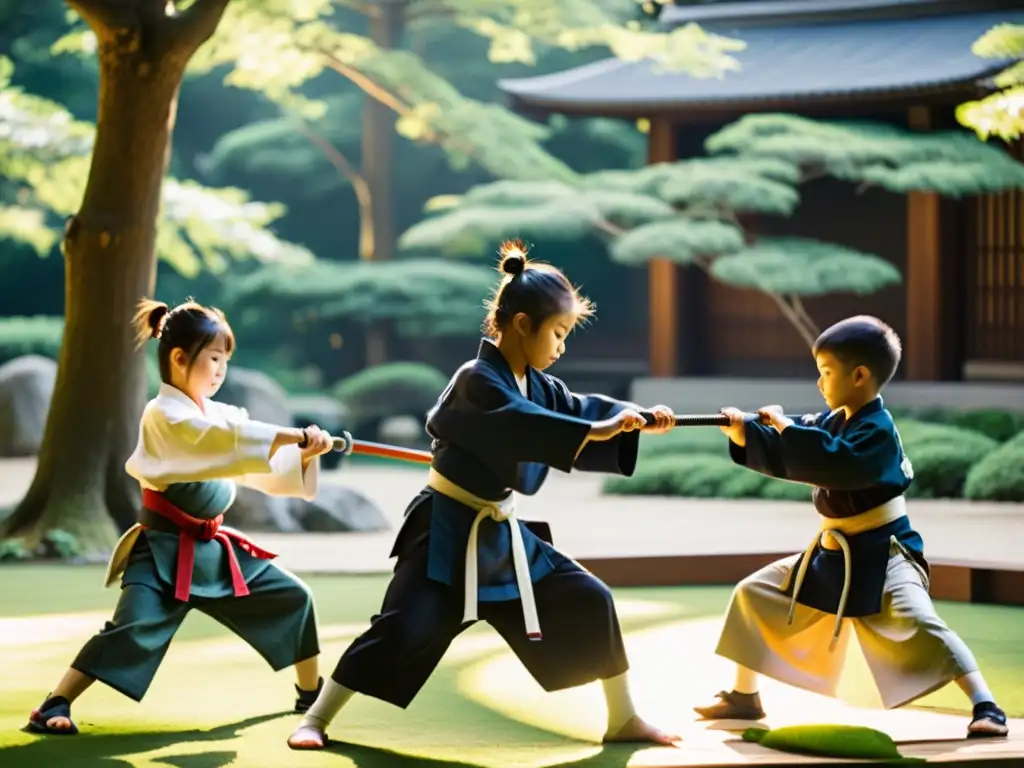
[419,297]
[690,211]
[1000,114]
[45,157]
[277,47]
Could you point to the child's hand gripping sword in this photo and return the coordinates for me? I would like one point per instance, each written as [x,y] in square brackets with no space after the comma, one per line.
[347,445]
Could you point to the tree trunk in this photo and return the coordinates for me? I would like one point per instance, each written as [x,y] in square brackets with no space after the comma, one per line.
[386,29]
[80,485]
[376,340]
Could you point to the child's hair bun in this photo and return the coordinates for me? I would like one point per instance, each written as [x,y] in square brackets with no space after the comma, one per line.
[513,257]
[156,320]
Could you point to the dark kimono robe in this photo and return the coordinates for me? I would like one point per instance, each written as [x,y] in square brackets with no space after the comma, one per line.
[854,466]
[491,440]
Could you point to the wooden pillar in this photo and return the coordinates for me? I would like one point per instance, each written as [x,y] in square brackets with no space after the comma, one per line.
[663,290]
[923,360]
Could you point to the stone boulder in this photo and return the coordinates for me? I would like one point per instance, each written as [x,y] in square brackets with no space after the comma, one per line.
[406,431]
[256,511]
[262,397]
[26,387]
[322,410]
[338,508]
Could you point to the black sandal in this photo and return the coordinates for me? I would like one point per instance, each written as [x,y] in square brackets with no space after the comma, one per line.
[306,699]
[55,706]
[989,720]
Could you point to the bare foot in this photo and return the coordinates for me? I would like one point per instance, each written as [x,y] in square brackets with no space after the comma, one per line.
[59,723]
[307,737]
[637,729]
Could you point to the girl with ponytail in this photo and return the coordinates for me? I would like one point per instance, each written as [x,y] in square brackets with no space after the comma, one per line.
[191,453]
[498,427]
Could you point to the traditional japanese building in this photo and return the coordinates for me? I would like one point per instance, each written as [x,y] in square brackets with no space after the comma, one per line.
[960,308]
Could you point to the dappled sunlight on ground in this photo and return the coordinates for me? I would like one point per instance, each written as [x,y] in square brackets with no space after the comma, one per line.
[673,668]
[215,702]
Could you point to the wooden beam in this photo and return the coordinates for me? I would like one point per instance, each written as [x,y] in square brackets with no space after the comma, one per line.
[923,278]
[663,291]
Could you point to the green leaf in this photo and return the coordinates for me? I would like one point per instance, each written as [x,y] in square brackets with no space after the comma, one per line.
[950,163]
[45,150]
[1011,76]
[680,240]
[1003,41]
[28,225]
[727,185]
[999,115]
[804,268]
[551,210]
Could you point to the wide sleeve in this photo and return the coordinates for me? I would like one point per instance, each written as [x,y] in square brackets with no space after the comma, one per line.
[177,445]
[484,416]
[617,456]
[858,459]
[287,476]
[763,450]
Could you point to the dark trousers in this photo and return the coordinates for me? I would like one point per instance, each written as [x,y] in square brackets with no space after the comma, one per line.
[419,619]
[276,619]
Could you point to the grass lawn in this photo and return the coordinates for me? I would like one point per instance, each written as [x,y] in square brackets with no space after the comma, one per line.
[215,703]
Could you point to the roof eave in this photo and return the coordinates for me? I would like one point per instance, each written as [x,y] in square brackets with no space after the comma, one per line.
[539,108]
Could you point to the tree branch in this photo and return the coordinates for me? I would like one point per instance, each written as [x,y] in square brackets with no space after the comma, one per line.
[801,311]
[807,334]
[390,100]
[361,189]
[104,16]
[367,85]
[197,23]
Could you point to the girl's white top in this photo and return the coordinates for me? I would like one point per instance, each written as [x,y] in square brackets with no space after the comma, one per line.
[179,443]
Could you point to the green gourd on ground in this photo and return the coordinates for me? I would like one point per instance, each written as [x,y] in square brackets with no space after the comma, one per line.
[839,741]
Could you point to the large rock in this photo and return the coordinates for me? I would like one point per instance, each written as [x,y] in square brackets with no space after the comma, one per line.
[407,431]
[26,387]
[324,411]
[256,511]
[338,508]
[262,397]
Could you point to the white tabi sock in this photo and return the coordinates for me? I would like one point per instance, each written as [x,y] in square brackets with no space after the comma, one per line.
[327,705]
[746,681]
[620,701]
[973,684]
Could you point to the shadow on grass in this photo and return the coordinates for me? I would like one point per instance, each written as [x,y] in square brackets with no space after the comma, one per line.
[609,756]
[104,750]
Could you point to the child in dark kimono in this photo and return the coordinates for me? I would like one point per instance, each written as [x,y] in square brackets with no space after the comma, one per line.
[866,563]
[462,555]
[190,454]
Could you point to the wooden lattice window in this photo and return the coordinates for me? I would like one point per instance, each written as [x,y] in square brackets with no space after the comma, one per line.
[995,276]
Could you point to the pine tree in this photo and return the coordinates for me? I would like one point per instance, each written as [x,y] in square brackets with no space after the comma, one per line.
[690,211]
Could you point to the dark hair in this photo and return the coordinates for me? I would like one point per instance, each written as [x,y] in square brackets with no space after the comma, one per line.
[539,291]
[863,340]
[189,326]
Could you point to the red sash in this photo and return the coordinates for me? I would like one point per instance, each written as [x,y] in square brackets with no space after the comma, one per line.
[195,529]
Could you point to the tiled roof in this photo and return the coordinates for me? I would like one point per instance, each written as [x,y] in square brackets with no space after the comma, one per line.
[790,62]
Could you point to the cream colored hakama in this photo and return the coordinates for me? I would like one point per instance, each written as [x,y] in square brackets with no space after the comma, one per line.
[910,651]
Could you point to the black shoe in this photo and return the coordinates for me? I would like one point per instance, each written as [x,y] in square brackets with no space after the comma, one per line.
[989,720]
[732,706]
[306,699]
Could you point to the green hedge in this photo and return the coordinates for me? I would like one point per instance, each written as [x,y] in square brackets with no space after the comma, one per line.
[702,476]
[38,335]
[695,463]
[996,424]
[392,389]
[1000,475]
